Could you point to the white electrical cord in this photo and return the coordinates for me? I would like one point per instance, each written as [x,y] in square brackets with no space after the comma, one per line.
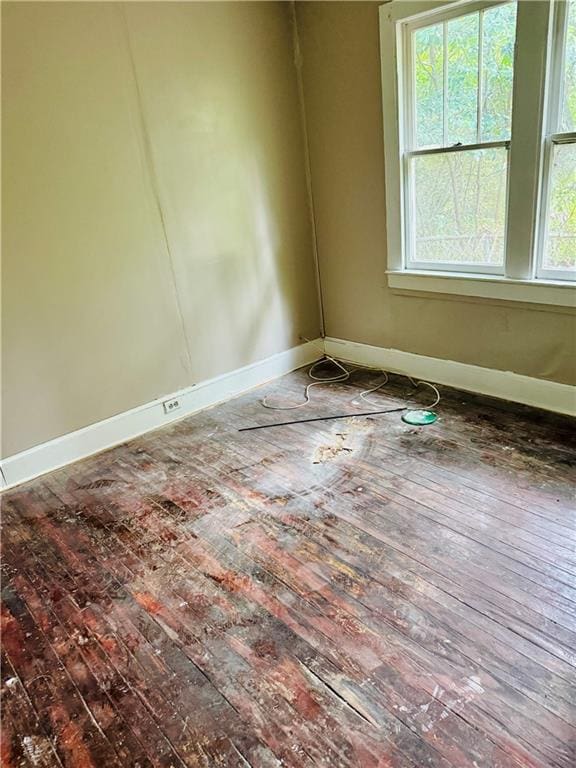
[344,376]
[426,384]
[363,395]
[415,384]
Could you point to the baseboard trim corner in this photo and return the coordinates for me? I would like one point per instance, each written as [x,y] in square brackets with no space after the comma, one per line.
[102,435]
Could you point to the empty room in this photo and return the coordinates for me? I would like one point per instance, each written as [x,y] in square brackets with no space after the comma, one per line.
[288,384]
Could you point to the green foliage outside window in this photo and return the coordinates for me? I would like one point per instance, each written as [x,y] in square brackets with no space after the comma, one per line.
[460,197]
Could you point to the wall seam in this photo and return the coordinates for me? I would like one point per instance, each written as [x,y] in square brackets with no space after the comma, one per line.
[149,159]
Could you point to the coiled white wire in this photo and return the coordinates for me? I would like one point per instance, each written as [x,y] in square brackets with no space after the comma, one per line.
[344,376]
[426,384]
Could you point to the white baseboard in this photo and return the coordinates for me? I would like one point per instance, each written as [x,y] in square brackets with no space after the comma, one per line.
[539,393]
[117,429]
[549,395]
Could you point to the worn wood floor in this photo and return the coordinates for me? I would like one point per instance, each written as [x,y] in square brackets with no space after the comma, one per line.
[346,593]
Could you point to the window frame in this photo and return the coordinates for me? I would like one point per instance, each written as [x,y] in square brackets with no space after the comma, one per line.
[409,147]
[518,282]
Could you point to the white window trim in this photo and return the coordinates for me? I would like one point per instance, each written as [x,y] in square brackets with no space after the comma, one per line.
[552,292]
[518,283]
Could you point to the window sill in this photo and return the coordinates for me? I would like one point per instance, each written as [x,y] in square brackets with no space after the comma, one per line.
[550,292]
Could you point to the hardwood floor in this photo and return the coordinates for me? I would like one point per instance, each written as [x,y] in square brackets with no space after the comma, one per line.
[344,593]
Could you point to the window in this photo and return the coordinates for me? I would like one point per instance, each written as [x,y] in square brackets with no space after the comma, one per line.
[459,98]
[480,145]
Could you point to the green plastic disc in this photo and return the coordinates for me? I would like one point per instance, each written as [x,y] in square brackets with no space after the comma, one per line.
[419,418]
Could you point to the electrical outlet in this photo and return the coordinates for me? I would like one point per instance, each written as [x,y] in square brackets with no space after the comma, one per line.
[171,405]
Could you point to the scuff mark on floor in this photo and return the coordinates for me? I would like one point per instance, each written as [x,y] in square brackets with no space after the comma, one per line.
[328,452]
[37,749]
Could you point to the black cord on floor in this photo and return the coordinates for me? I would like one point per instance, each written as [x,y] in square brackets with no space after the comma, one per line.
[322,418]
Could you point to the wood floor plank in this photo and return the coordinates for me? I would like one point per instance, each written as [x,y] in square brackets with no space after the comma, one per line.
[548,587]
[352,594]
[528,599]
[168,619]
[236,560]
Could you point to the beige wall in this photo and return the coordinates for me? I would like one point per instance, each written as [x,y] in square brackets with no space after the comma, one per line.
[155,220]
[340,49]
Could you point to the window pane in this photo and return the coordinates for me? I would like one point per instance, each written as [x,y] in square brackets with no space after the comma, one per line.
[462,76]
[429,84]
[460,208]
[568,115]
[498,37]
[560,250]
